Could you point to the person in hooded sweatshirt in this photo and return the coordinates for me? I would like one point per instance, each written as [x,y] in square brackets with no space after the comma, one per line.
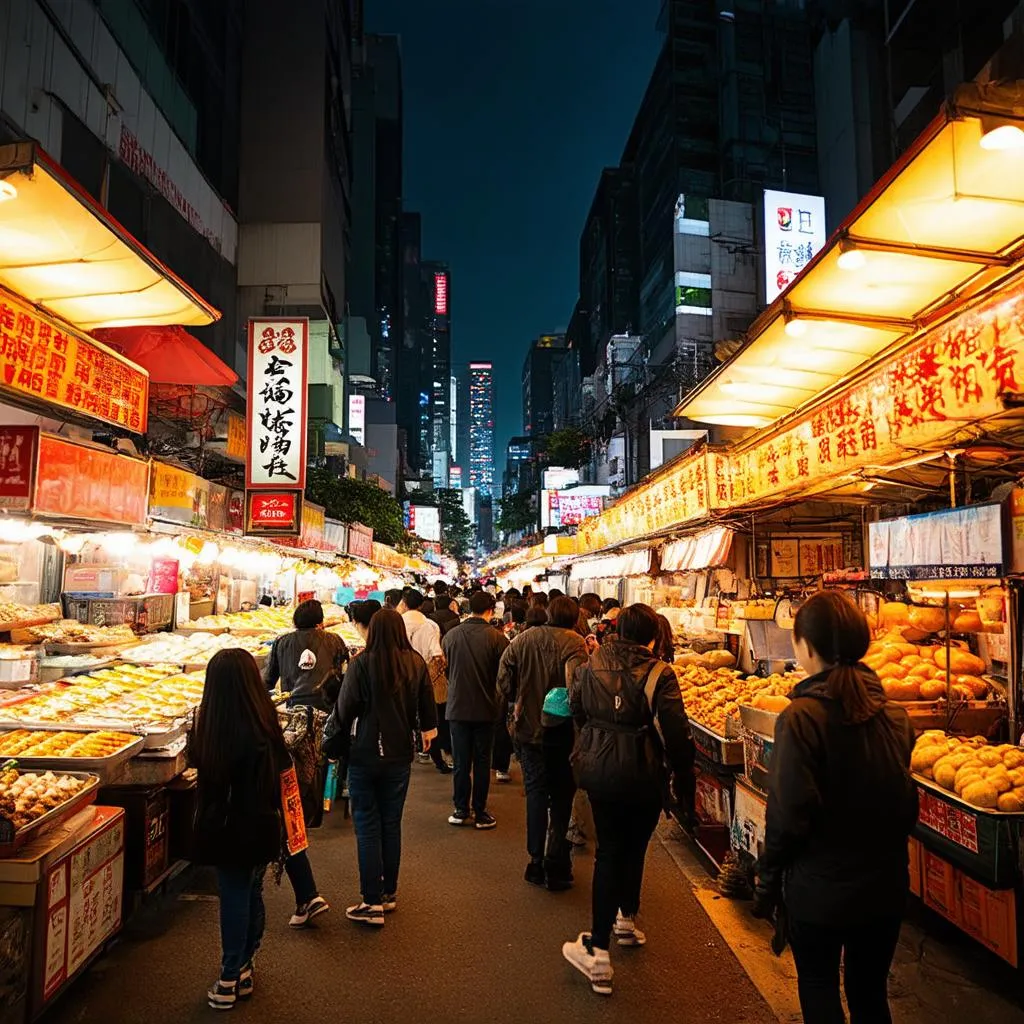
[841,805]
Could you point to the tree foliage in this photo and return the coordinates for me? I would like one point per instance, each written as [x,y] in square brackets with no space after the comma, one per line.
[356,501]
[569,447]
[518,514]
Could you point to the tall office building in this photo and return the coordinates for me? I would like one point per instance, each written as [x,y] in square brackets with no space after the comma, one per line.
[540,371]
[436,281]
[375,285]
[882,70]
[519,457]
[142,110]
[481,426]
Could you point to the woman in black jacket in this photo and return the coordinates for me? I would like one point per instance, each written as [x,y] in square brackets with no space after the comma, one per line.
[387,698]
[239,752]
[633,731]
[841,805]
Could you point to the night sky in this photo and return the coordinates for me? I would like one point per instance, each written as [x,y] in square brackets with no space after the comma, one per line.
[512,109]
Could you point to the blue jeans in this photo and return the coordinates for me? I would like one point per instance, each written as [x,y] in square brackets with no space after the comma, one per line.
[242,917]
[377,794]
[471,751]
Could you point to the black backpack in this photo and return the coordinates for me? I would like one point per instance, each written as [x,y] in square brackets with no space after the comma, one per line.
[619,754]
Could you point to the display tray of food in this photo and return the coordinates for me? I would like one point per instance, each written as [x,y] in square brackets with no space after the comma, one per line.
[21,616]
[262,620]
[987,777]
[713,697]
[68,636]
[723,750]
[102,752]
[33,802]
[196,649]
[155,767]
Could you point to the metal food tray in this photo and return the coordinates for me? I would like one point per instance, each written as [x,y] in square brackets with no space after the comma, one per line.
[55,647]
[51,818]
[155,734]
[212,630]
[155,768]
[729,749]
[103,767]
[950,795]
[68,671]
[259,631]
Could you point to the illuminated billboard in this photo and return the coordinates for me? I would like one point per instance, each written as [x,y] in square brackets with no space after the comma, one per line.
[570,508]
[441,294]
[357,417]
[794,232]
[424,521]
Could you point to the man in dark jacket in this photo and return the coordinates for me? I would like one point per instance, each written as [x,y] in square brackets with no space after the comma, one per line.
[537,661]
[309,662]
[445,612]
[473,650]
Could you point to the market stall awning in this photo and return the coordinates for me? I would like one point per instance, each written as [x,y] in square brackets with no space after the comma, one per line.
[63,251]
[170,354]
[701,551]
[946,223]
[633,563]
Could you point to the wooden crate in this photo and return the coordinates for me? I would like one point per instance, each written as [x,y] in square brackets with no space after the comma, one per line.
[990,916]
[939,886]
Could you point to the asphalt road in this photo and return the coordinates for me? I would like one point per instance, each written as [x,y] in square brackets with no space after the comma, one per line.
[471,943]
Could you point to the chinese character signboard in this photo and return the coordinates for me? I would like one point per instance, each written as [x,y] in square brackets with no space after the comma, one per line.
[357,417]
[273,513]
[360,541]
[794,233]
[276,408]
[82,482]
[18,447]
[43,358]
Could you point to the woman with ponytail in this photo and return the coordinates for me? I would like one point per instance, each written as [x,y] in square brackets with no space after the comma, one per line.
[841,805]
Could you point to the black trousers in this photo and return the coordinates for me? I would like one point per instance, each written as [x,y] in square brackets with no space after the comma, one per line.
[501,758]
[866,952]
[471,751]
[550,788]
[624,831]
[443,741]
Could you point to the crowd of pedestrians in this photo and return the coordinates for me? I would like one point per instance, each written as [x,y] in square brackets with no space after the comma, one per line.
[583,693]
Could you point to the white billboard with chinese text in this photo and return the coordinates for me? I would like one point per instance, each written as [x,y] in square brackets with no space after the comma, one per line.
[570,508]
[794,233]
[425,522]
[357,418]
[276,412]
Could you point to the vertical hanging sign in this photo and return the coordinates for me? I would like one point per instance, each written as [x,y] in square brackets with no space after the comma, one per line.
[276,411]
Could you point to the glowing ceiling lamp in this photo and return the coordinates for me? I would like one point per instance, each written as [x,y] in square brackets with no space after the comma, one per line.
[850,257]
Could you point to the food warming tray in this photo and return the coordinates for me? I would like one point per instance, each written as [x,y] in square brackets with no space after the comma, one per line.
[104,767]
[12,840]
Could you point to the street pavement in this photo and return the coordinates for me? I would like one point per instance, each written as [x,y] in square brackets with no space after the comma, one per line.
[472,943]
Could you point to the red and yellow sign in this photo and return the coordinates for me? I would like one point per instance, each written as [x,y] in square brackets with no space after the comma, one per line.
[312,531]
[42,358]
[677,497]
[236,437]
[273,512]
[89,483]
[953,376]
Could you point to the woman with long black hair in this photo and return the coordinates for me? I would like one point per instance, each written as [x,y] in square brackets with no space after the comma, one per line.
[841,805]
[387,697]
[239,752]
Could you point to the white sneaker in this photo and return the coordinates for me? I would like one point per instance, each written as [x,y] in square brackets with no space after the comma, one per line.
[626,932]
[503,776]
[594,964]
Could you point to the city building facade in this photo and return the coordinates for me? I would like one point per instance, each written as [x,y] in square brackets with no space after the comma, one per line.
[539,371]
[480,388]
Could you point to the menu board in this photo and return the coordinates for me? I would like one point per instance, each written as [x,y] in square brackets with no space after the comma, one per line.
[956,543]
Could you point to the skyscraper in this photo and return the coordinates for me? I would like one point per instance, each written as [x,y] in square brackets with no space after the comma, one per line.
[539,373]
[438,339]
[481,427]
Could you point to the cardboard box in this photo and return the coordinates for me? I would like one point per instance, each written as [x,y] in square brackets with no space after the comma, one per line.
[914,854]
[939,888]
[990,916]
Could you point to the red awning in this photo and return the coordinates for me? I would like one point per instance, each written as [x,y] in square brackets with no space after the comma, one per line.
[170,354]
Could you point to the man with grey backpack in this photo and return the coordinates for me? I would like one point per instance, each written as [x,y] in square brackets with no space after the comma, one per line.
[634,736]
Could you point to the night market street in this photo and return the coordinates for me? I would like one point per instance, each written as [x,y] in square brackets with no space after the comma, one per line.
[473,943]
